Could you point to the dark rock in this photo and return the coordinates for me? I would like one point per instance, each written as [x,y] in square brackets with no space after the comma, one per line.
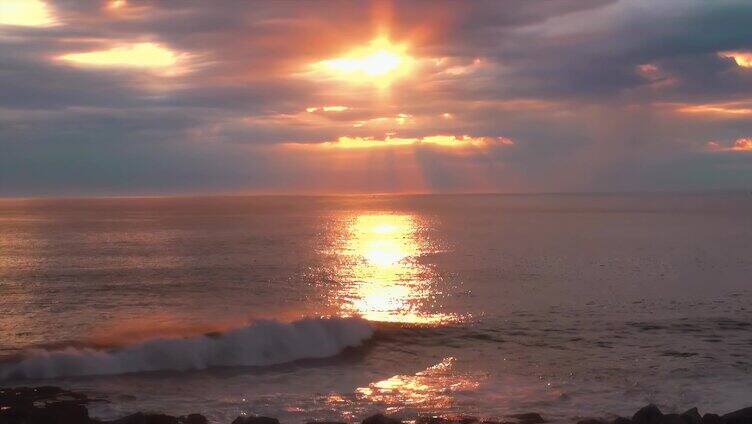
[528,418]
[255,420]
[325,422]
[692,416]
[621,420]
[141,418]
[53,405]
[742,416]
[64,412]
[13,415]
[591,421]
[24,405]
[673,419]
[381,419]
[648,415]
[711,419]
[27,395]
[428,419]
[47,391]
[192,419]
[432,420]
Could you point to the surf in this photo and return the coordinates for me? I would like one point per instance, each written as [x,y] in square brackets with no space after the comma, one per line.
[261,343]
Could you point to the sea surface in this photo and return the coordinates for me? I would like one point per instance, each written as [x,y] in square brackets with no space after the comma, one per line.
[337,307]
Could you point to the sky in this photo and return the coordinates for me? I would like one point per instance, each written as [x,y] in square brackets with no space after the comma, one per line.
[128,97]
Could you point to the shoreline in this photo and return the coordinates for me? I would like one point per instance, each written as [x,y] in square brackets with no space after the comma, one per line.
[54,405]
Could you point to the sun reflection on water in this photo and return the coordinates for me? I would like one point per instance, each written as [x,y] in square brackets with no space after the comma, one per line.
[384,280]
[433,388]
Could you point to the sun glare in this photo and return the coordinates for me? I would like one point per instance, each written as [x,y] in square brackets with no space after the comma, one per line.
[380,63]
[24,13]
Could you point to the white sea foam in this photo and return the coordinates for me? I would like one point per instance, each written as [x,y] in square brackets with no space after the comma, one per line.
[258,344]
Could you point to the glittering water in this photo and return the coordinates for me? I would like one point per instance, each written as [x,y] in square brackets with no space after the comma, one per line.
[483,305]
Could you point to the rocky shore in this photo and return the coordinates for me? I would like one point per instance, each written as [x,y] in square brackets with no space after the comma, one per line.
[53,405]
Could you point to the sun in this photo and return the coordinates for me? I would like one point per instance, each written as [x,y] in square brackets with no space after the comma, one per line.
[378,63]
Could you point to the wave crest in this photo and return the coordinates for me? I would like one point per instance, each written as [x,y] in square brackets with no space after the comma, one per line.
[259,344]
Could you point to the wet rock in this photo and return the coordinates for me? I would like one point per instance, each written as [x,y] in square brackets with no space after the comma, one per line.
[742,416]
[692,416]
[528,418]
[621,420]
[648,415]
[141,418]
[711,419]
[255,420]
[381,419]
[192,419]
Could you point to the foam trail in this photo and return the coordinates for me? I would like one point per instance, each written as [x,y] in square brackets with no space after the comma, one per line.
[258,344]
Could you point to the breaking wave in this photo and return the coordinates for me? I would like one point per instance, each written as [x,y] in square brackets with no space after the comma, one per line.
[261,343]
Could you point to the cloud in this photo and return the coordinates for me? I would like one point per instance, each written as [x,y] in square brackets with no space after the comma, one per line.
[742,108]
[743,144]
[141,55]
[594,93]
[33,13]
[741,58]
[451,142]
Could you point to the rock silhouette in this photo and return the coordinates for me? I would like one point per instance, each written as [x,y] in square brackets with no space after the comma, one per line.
[53,405]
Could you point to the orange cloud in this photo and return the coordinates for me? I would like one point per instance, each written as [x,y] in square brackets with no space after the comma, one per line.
[117,4]
[728,108]
[135,55]
[743,144]
[327,109]
[25,13]
[444,141]
[713,145]
[655,75]
[458,70]
[742,58]
[647,69]
[123,9]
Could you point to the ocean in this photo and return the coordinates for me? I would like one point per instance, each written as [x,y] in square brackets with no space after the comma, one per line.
[336,307]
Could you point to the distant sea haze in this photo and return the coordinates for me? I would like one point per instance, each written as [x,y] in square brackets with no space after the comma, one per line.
[335,306]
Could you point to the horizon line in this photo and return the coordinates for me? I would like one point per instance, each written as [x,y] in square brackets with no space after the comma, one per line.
[369,194]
